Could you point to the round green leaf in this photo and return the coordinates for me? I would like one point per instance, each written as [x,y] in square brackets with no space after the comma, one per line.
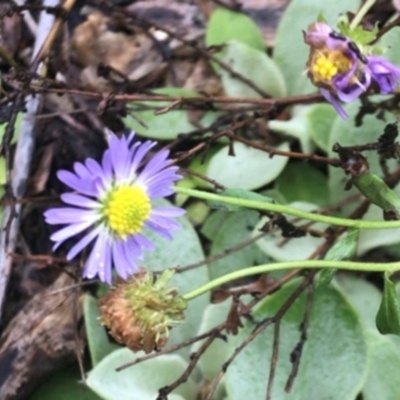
[334,360]
[226,24]
[297,127]
[249,168]
[382,381]
[236,229]
[392,52]
[364,296]
[217,353]
[388,317]
[290,51]
[319,123]
[141,381]
[292,249]
[294,184]
[168,125]
[253,65]
[213,224]
[64,385]
[99,345]
[372,239]
[184,249]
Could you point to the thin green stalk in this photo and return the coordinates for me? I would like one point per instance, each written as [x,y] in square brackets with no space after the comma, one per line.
[280,208]
[361,13]
[310,264]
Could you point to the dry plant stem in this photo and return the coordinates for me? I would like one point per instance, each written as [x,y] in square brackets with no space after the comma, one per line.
[273,151]
[298,350]
[257,330]
[24,150]
[275,102]
[194,358]
[277,321]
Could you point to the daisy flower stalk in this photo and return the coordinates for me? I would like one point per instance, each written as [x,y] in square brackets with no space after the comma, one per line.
[343,69]
[113,203]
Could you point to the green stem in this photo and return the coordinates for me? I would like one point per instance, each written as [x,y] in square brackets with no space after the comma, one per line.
[347,265]
[280,208]
[361,13]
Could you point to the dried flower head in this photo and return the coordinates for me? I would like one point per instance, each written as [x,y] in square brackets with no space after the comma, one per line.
[113,203]
[141,311]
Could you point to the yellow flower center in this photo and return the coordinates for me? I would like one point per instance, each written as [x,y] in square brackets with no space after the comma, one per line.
[325,64]
[126,208]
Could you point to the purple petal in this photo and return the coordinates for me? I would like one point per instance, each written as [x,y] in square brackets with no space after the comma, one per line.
[133,247]
[140,152]
[80,201]
[74,182]
[69,231]
[120,157]
[168,211]
[163,222]
[159,229]
[157,163]
[96,263]
[118,256]
[82,171]
[78,247]
[334,101]
[144,242]
[64,215]
[107,165]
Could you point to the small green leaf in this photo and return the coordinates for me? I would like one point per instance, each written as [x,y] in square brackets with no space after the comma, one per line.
[364,296]
[235,230]
[254,65]
[141,381]
[359,35]
[64,385]
[388,317]
[168,125]
[382,380]
[319,123]
[239,194]
[248,168]
[334,361]
[99,345]
[376,190]
[297,127]
[213,224]
[225,25]
[211,361]
[344,249]
[294,184]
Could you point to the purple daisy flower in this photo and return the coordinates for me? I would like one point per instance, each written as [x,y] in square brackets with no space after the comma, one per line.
[341,71]
[113,204]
